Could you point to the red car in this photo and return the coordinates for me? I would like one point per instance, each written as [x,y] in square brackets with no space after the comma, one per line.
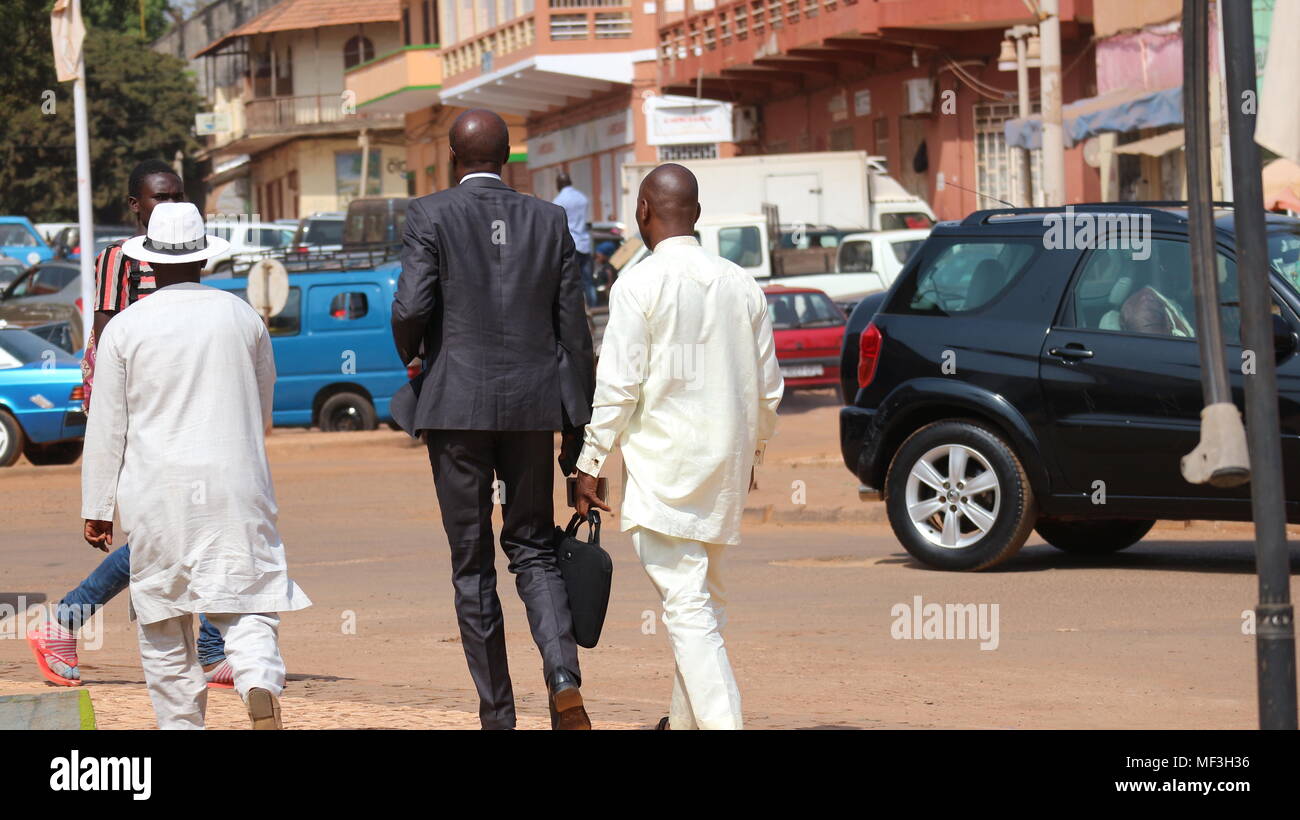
[809,328]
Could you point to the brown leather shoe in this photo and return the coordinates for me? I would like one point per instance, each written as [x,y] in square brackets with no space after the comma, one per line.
[567,711]
[263,709]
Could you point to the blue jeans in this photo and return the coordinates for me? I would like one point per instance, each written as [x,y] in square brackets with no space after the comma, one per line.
[588,281]
[108,579]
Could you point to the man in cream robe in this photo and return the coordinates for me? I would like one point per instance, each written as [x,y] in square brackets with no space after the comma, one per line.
[175,444]
[687,387]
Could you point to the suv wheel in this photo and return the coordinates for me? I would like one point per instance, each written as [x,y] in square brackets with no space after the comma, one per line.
[1093,537]
[958,498]
[346,412]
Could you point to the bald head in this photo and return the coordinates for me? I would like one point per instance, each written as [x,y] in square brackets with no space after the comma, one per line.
[668,203]
[480,141]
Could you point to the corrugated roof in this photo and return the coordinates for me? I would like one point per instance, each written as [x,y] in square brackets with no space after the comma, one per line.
[293,15]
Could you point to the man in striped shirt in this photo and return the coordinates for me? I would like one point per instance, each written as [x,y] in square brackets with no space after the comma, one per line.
[119,282]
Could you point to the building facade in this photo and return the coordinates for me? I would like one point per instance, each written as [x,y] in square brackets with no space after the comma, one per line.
[284,135]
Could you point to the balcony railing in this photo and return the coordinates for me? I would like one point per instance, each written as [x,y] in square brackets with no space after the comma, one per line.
[504,40]
[279,114]
[738,21]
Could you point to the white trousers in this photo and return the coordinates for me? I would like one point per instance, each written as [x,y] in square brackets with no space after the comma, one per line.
[175,678]
[688,575]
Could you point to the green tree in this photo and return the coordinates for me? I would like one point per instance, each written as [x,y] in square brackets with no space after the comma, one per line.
[141,105]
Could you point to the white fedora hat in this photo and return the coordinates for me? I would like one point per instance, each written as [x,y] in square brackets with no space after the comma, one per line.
[175,236]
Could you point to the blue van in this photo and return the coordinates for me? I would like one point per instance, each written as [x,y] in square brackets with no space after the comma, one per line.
[336,365]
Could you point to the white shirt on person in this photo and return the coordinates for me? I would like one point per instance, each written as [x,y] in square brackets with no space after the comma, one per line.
[175,444]
[687,387]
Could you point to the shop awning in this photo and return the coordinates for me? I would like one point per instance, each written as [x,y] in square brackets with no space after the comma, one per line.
[1156,146]
[1124,110]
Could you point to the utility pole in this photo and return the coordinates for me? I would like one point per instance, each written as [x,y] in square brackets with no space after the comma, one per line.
[363,139]
[1049,30]
[1020,35]
[1274,615]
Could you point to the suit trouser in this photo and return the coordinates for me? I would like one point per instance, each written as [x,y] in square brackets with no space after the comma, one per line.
[464,465]
[174,675]
[688,575]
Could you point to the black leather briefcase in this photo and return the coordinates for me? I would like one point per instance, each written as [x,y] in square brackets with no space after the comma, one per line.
[588,572]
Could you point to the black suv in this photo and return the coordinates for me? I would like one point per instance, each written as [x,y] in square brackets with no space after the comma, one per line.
[1024,373]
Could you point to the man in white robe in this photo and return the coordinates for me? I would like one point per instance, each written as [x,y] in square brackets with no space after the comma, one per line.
[687,387]
[175,444]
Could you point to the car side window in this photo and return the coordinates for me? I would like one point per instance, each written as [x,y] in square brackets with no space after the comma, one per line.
[741,245]
[965,276]
[856,257]
[1150,293]
[349,306]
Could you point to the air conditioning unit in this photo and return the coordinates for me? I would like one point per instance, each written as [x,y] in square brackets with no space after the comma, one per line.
[918,96]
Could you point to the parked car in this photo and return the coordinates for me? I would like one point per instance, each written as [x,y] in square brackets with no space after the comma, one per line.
[19,239]
[803,237]
[67,242]
[808,329]
[322,231]
[882,254]
[374,221]
[40,401]
[50,230]
[1008,384]
[336,367]
[44,293]
[245,238]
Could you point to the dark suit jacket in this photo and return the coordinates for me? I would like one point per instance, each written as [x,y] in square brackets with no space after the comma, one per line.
[490,296]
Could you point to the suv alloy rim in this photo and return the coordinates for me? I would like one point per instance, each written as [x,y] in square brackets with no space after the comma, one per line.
[953,496]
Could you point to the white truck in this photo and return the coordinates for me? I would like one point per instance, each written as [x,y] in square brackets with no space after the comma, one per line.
[844,189]
[855,265]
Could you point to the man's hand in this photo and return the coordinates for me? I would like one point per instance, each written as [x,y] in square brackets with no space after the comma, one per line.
[570,449]
[585,496]
[99,534]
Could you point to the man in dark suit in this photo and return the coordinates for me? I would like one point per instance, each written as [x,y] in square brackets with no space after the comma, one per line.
[490,297]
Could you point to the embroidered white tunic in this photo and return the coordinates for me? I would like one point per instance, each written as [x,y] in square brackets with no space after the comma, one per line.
[687,387]
[175,442]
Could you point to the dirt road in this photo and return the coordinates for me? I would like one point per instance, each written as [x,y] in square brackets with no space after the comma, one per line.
[1148,638]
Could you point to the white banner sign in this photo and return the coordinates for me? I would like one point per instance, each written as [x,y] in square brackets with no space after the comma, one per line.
[686,121]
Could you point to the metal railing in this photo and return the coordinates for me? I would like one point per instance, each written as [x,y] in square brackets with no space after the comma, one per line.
[283,113]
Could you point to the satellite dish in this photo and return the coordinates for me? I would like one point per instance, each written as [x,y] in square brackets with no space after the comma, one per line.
[268,287]
[1092,152]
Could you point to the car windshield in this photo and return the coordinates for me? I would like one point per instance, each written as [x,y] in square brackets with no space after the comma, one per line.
[1284,255]
[16,236]
[9,273]
[28,347]
[803,310]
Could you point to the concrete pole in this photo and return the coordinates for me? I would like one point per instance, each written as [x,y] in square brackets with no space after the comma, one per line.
[1021,35]
[85,220]
[1049,31]
[363,139]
